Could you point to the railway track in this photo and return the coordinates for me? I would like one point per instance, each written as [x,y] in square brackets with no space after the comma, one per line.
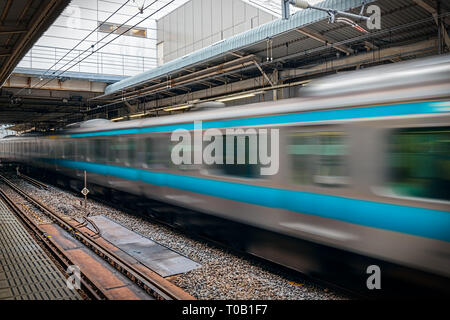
[155,286]
[162,207]
[34,182]
[348,283]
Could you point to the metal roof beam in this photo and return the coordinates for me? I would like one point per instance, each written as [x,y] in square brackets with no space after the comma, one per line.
[45,14]
[434,13]
[5,53]
[323,39]
[12,30]
[392,53]
[236,54]
[370,45]
[263,73]
[5,11]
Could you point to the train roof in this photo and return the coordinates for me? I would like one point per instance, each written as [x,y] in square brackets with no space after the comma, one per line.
[353,88]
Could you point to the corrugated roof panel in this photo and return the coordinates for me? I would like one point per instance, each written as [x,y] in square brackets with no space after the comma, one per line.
[271,29]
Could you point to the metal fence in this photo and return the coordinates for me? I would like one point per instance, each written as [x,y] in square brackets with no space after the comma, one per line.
[43,57]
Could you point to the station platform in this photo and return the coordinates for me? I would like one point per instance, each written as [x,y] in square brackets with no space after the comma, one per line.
[26,272]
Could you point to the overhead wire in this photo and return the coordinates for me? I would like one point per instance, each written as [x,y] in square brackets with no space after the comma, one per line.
[81,41]
[149,16]
[99,41]
[94,51]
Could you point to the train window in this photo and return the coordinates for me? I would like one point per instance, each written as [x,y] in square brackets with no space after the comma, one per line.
[302,150]
[51,149]
[332,165]
[149,152]
[319,158]
[240,144]
[90,149]
[59,151]
[47,148]
[420,162]
[99,150]
[166,156]
[82,150]
[155,152]
[44,149]
[131,147]
[69,151]
[115,147]
[246,170]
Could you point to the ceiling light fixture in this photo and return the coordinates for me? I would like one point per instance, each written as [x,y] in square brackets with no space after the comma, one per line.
[137,115]
[238,97]
[176,108]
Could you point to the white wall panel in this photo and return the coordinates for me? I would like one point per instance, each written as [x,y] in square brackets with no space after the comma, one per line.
[216,16]
[181,33]
[207,22]
[173,26]
[239,28]
[227,14]
[238,12]
[206,19]
[189,48]
[189,23]
[197,19]
[167,36]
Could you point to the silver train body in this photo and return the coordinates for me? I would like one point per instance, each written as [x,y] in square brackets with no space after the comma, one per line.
[364,164]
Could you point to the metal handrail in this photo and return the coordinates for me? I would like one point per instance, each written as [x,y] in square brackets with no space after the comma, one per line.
[43,57]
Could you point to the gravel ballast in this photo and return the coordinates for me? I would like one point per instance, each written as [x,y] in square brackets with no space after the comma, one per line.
[223,274]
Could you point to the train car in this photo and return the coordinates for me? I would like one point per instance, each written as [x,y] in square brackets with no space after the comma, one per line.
[363,164]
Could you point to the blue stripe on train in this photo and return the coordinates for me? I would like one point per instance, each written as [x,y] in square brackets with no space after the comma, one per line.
[312,116]
[427,223]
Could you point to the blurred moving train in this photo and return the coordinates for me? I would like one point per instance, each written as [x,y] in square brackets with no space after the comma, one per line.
[364,164]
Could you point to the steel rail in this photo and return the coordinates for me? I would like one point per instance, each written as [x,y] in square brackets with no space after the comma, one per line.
[87,285]
[34,182]
[157,287]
